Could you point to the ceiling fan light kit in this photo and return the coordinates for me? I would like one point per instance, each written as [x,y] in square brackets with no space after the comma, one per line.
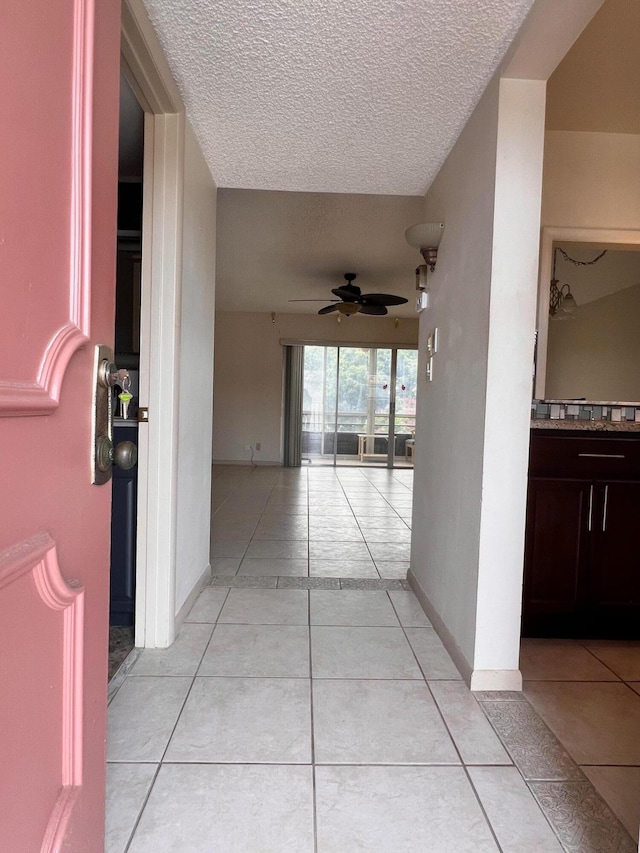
[348,308]
[426,238]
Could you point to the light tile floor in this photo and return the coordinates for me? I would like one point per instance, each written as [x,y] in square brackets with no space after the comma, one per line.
[585,692]
[308,705]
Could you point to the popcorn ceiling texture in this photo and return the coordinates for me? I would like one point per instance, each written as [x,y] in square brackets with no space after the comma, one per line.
[344,96]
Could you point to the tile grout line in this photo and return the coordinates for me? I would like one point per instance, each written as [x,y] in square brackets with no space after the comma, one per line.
[182,707]
[450,734]
[314,802]
[142,808]
[451,737]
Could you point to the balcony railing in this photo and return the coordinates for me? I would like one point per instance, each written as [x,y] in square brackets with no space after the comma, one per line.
[320,438]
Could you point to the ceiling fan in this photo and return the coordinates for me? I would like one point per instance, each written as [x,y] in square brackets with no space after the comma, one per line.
[352,301]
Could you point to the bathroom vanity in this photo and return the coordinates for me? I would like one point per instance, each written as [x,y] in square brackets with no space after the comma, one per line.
[582,550]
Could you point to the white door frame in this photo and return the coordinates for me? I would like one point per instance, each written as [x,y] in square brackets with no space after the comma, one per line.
[148,74]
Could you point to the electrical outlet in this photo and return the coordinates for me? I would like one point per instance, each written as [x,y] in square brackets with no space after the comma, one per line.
[248,447]
[258,445]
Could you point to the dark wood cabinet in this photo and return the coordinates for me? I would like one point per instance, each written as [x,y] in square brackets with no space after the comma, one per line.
[582,551]
[614,576]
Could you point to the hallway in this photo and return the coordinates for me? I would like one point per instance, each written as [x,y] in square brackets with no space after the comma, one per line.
[307,704]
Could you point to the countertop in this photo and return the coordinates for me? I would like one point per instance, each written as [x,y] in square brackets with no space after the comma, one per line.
[586,426]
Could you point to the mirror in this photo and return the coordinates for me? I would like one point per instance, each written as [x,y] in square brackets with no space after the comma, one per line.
[590,348]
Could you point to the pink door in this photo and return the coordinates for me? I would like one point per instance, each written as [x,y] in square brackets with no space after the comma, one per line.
[59,75]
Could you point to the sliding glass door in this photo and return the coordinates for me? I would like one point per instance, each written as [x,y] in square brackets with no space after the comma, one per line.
[356,405]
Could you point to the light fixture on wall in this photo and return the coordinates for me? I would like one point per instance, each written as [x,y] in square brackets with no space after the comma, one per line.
[426,238]
[562,303]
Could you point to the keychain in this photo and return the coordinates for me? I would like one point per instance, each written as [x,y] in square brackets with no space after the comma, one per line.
[125,397]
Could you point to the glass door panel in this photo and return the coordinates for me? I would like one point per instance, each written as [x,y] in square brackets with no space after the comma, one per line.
[318,401]
[348,404]
[405,409]
[353,396]
[380,400]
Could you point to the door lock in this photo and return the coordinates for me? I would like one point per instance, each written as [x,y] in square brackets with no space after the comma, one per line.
[103,453]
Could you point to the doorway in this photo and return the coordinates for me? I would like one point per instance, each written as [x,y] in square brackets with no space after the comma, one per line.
[358,405]
[124,503]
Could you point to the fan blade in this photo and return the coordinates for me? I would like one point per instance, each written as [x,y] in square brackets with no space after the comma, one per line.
[382,299]
[328,309]
[348,293]
[378,310]
[313,300]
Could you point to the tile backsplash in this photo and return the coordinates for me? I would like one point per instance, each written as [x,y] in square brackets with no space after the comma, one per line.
[564,410]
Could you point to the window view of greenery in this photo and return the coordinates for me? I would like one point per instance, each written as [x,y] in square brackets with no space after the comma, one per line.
[361,378]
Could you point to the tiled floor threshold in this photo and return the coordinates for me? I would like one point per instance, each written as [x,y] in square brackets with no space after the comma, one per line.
[292,715]
[248,582]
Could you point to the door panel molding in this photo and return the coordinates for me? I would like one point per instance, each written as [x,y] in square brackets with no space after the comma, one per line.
[34,389]
[31,584]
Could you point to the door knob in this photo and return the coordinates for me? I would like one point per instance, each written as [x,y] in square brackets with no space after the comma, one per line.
[125,455]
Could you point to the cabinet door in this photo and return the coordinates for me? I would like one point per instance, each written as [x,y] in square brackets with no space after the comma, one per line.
[614,565]
[559,516]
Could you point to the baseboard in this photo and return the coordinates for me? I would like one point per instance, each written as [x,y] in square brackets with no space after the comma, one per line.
[455,652]
[190,600]
[478,679]
[496,679]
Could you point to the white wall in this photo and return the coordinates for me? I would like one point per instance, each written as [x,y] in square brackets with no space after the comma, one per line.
[512,320]
[248,396]
[196,369]
[597,355]
[591,180]
[450,415]
[472,428]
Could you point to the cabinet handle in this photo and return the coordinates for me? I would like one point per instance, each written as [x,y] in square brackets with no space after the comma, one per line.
[590,507]
[604,511]
[603,455]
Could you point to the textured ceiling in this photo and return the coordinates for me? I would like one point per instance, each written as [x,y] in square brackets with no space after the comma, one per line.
[276,246]
[366,96]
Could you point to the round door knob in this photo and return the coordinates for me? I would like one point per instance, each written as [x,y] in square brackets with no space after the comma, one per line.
[125,455]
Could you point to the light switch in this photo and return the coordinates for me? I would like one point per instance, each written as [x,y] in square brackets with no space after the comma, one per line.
[430,369]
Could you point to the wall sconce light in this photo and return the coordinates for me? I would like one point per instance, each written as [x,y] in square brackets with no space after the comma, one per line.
[426,238]
[562,303]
